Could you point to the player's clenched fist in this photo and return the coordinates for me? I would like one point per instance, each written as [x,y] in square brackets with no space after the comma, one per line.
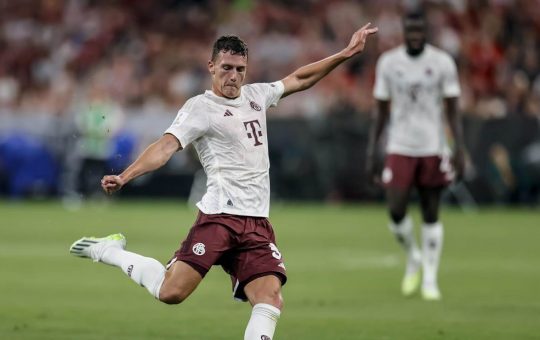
[111,183]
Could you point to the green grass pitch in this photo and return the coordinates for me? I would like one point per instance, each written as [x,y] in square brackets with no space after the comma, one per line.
[344,276]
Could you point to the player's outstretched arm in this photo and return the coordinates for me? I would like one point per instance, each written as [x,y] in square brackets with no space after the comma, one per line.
[306,76]
[154,157]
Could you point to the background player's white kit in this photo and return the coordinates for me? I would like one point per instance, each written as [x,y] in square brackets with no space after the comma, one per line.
[416,86]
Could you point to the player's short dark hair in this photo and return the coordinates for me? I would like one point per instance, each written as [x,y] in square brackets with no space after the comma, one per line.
[229,43]
[417,15]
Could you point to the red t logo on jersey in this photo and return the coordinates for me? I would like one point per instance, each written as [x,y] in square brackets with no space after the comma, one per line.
[255,131]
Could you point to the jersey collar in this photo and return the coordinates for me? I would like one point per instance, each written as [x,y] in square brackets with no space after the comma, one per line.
[236,102]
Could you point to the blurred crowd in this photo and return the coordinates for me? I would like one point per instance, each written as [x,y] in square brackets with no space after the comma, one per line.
[81,60]
[59,54]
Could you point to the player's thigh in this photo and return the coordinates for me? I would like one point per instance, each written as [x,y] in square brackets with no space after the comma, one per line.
[398,178]
[208,240]
[399,172]
[265,289]
[434,172]
[398,198]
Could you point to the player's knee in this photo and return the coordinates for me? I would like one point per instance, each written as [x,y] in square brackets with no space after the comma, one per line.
[271,296]
[172,296]
[430,217]
[397,215]
[277,299]
[274,298]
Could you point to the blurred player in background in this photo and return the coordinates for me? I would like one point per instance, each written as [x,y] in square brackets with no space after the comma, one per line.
[227,126]
[415,84]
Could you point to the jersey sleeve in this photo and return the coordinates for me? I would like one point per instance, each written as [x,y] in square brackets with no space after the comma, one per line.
[381,90]
[450,80]
[189,125]
[271,92]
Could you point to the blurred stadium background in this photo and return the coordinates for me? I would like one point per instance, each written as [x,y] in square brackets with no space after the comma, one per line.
[86,85]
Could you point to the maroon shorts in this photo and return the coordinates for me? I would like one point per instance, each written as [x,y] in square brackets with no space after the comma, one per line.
[403,172]
[244,246]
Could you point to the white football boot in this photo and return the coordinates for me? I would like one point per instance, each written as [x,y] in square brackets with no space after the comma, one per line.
[411,279]
[93,247]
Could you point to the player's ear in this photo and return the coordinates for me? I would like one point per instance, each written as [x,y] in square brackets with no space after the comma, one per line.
[211,67]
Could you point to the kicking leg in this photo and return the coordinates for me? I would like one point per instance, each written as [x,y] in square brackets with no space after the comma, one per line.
[145,271]
[171,286]
[432,240]
[402,227]
[264,294]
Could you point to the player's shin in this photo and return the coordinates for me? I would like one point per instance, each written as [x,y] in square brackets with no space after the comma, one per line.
[404,233]
[432,242]
[145,271]
[262,324]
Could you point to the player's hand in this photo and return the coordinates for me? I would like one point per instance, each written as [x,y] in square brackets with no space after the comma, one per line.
[358,40]
[458,163]
[371,171]
[112,183]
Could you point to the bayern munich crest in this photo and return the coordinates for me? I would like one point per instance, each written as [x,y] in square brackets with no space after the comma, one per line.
[199,249]
[254,105]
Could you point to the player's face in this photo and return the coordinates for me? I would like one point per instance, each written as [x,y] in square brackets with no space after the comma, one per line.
[228,73]
[415,36]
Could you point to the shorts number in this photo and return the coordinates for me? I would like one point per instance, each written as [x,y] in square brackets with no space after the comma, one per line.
[275,252]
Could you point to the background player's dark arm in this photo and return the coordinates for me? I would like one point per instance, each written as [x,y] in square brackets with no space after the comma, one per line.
[375,133]
[153,157]
[308,75]
[454,121]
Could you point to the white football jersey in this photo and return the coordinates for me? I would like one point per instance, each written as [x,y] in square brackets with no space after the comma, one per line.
[230,138]
[416,87]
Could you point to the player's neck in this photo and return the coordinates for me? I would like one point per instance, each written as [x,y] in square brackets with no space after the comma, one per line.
[217,93]
[415,53]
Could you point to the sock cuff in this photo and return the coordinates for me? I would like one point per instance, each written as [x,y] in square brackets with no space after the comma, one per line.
[159,282]
[437,224]
[267,310]
[405,226]
[432,229]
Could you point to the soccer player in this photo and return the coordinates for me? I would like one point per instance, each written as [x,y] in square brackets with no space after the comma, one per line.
[417,83]
[227,127]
